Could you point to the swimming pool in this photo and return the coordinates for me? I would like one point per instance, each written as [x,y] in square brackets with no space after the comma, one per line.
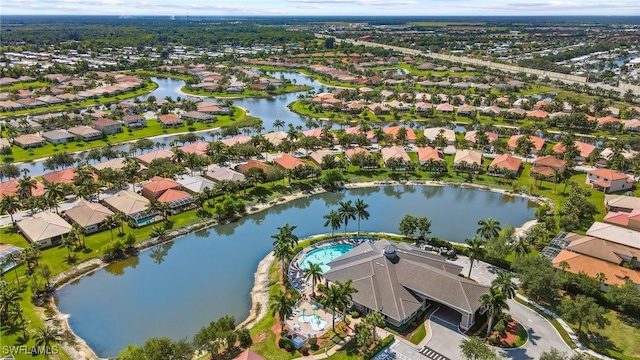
[324,255]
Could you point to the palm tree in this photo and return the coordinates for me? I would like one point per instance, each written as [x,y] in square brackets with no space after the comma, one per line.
[334,220]
[45,337]
[111,221]
[25,185]
[10,204]
[488,228]
[346,211]
[54,192]
[68,242]
[476,251]
[361,212]
[521,247]
[494,303]
[285,233]
[282,304]
[10,297]
[283,252]
[77,231]
[374,319]
[505,283]
[278,124]
[14,258]
[313,272]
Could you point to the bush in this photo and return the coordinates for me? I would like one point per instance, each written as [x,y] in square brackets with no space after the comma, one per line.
[347,321]
[379,346]
[304,350]
[286,344]
[244,337]
[313,342]
[355,314]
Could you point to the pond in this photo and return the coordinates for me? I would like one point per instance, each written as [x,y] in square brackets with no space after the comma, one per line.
[177,288]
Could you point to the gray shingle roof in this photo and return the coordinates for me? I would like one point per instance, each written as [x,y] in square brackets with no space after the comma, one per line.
[390,284]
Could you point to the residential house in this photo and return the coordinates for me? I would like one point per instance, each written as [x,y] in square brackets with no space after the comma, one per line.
[177,200]
[86,133]
[394,152]
[147,158]
[243,168]
[28,141]
[629,220]
[467,160]
[134,121]
[276,137]
[547,166]
[217,173]
[427,154]
[410,136]
[194,184]
[239,139]
[198,148]
[64,176]
[432,134]
[157,186]
[57,136]
[248,354]
[317,156]
[608,181]
[621,203]
[288,162]
[198,117]
[615,233]
[44,229]
[169,121]
[135,206]
[470,136]
[107,126]
[538,142]
[584,150]
[89,215]
[583,264]
[505,164]
[11,188]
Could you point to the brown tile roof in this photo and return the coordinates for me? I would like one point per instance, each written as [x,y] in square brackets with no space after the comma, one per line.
[538,114]
[88,213]
[44,225]
[248,355]
[578,263]
[240,139]
[549,161]
[105,122]
[199,148]
[622,218]
[243,168]
[469,156]
[169,119]
[158,154]
[600,249]
[394,152]
[471,136]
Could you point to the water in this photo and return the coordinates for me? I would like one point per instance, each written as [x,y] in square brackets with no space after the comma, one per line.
[175,289]
[324,255]
[267,109]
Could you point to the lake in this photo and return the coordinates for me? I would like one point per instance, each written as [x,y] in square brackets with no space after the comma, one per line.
[175,289]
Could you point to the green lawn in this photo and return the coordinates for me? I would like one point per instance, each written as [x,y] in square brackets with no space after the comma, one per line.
[25,85]
[418,335]
[619,339]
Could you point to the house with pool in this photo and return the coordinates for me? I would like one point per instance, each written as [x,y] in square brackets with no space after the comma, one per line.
[399,280]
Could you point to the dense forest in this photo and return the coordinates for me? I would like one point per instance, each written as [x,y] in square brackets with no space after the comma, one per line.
[105,32]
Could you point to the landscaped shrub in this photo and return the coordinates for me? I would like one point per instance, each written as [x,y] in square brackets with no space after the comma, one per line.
[286,344]
[244,337]
[304,350]
[355,314]
[313,343]
[379,346]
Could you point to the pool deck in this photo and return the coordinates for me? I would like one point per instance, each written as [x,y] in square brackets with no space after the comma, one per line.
[305,307]
[296,273]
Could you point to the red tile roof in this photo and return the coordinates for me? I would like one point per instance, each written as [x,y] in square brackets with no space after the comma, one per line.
[350,152]
[159,184]
[248,355]
[172,195]
[67,175]
[538,114]
[615,275]
[429,153]
[507,161]
[393,131]
[169,119]
[288,161]
[549,161]
[608,174]
[243,168]
[11,188]
[584,148]
[538,142]
[199,148]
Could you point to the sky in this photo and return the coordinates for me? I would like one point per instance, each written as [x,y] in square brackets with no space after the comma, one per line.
[322,7]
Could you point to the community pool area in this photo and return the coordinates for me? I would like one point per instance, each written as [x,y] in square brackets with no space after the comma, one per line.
[324,255]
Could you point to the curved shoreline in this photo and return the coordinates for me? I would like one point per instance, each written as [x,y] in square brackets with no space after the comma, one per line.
[260,290]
